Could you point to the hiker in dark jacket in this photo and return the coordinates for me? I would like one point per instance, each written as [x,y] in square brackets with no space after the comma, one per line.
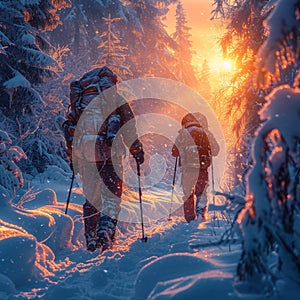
[98,154]
[195,146]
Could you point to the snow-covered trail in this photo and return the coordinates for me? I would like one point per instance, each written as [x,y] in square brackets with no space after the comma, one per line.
[80,274]
[113,274]
[43,256]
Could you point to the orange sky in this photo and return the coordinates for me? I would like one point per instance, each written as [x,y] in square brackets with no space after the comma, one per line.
[205,33]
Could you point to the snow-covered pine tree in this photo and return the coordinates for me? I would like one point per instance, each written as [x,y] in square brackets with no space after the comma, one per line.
[11,177]
[204,80]
[220,9]
[153,56]
[278,61]
[24,65]
[270,220]
[81,28]
[141,30]
[113,54]
[183,52]
[240,43]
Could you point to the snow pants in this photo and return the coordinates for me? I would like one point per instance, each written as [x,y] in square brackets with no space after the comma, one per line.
[194,183]
[103,198]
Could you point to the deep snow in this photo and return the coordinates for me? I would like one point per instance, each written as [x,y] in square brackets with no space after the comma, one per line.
[43,253]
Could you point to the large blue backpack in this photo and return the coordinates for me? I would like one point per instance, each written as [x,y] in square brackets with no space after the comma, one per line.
[90,84]
[82,92]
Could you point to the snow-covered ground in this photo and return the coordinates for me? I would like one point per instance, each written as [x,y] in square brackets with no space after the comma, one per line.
[43,253]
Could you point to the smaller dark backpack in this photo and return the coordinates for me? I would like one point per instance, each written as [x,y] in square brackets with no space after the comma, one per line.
[200,151]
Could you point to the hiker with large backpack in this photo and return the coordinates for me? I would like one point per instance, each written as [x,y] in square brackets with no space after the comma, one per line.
[195,146]
[103,196]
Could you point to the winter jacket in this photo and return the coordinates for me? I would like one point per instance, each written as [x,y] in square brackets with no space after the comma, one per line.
[195,146]
[92,142]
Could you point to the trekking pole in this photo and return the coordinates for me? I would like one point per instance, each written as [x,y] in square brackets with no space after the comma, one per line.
[173,186]
[70,191]
[144,238]
[213,188]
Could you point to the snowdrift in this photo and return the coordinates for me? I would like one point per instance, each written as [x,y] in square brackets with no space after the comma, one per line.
[31,232]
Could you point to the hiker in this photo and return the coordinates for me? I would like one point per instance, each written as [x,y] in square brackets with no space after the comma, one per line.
[103,195]
[194,146]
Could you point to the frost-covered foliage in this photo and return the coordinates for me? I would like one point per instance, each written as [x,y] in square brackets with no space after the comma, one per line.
[204,80]
[271,220]
[262,39]
[46,146]
[81,29]
[264,36]
[182,34]
[279,55]
[240,43]
[144,45]
[11,177]
[151,55]
[24,64]
[113,55]
[183,51]
[44,149]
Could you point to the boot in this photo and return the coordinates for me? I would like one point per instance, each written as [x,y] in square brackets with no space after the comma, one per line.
[201,207]
[91,218]
[189,209]
[91,240]
[106,230]
[201,213]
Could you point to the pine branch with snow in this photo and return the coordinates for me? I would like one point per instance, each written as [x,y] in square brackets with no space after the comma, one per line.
[280,50]
[113,54]
[11,177]
[25,63]
[270,220]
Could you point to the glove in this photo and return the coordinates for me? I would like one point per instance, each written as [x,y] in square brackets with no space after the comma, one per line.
[137,151]
[139,157]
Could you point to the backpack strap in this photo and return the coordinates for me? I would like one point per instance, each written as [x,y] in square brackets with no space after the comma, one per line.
[106,72]
[75,96]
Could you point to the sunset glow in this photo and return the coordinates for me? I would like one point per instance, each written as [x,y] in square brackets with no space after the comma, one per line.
[227,65]
[205,33]
[220,64]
